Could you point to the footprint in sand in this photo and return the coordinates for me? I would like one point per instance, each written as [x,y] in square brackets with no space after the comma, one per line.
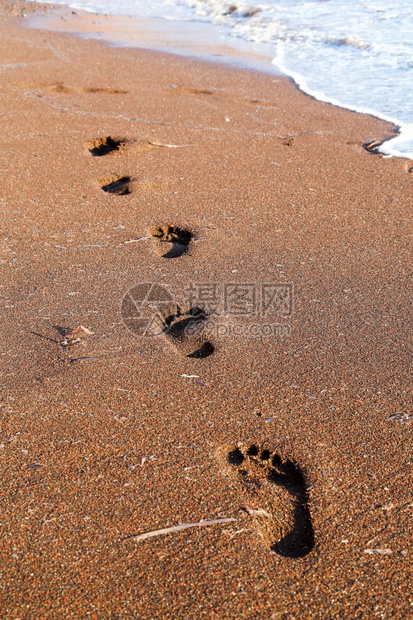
[116,184]
[274,496]
[181,90]
[59,87]
[104,91]
[289,141]
[102,146]
[171,241]
[183,328]
[150,310]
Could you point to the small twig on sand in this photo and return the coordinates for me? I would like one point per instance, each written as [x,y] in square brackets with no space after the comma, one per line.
[177,528]
[170,146]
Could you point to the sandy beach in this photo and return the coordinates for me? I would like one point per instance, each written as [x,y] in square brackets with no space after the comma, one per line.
[144,193]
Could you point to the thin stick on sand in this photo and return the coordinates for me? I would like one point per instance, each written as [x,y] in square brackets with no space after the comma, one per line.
[177,528]
[170,146]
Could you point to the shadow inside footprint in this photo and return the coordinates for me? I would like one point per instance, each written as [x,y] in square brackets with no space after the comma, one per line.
[277,490]
[300,540]
[116,185]
[177,249]
[185,328]
[184,323]
[205,350]
[177,239]
[103,146]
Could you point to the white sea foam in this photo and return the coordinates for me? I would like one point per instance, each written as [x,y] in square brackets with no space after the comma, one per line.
[357,54]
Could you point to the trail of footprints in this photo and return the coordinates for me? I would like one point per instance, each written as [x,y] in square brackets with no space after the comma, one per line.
[180,326]
[273,490]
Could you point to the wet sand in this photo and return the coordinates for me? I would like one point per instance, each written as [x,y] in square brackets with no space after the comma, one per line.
[200,40]
[304,438]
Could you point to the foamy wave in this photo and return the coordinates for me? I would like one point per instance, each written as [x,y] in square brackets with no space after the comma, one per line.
[352,40]
[357,54]
[253,22]
[401,145]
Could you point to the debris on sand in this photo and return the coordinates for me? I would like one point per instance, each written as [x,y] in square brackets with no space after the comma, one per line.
[169,146]
[380,551]
[75,337]
[177,528]
[400,417]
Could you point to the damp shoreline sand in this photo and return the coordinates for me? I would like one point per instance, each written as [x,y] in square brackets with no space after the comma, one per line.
[219,177]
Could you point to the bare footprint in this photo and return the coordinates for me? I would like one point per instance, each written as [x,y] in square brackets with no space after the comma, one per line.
[183,328]
[103,146]
[116,184]
[274,496]
[171,241]
[181,90]
[59,88]
[107,91]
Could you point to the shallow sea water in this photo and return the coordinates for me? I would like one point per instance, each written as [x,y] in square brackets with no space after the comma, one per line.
[357,54]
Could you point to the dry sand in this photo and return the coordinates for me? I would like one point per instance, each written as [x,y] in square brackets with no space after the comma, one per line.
[305,440]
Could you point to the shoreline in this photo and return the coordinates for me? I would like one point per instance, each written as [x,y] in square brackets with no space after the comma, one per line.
[126,32]
[158,34]
[124,453]
[177,37]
